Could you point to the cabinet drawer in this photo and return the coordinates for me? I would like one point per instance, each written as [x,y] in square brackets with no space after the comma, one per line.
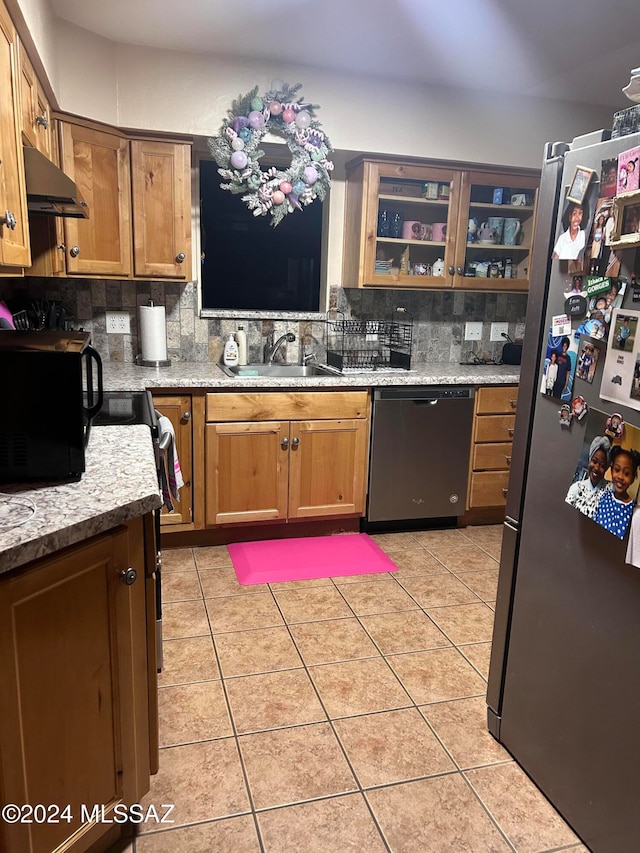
[491,457]
[499,400]
[488,488]
[494,428]
[288,405]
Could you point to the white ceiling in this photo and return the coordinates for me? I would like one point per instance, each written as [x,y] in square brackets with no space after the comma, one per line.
[580,50]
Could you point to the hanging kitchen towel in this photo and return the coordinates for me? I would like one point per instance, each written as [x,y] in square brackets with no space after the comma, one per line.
[171,478]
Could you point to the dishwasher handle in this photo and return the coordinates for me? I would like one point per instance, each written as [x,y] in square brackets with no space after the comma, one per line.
[424,395]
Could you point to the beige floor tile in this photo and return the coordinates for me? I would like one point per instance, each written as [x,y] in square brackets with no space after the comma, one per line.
[192,712]
[358,687]
[462,728]
[438,590]
[390,542]
[222,580]
[484,583]
[463,558]
[332,640]
[525,816]
[311,604]
[181,586]
[203,781]
[419,562]
[337,825]
[303,584]
[377,597]
[212,556]
[186,660]
[410,631]
[177,560]
[273,700]
[373,577]
[484,534]
[465,623]
[290,765]
[261,650]
[478,654]
[242,612]
[230,835]
[438,538]
[437,675]
[439,815]
[394,746]
[184,619]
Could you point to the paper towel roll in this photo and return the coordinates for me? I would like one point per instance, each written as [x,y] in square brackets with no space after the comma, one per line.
[153,333]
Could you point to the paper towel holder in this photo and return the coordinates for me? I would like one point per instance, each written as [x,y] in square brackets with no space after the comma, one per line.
[145,362]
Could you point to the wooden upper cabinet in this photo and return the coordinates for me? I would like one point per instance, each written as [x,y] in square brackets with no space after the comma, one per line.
[98,162]
[14,230]
[36,111]
[161,182]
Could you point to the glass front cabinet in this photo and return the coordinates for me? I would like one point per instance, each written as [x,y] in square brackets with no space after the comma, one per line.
[418,226]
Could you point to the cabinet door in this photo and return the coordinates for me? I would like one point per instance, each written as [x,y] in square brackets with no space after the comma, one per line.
[28,97]
[161,179]
[178,410]
[247,467]
[496,235]
[99,164]
[71,687]
[14,231]
[327,468]
[397,235]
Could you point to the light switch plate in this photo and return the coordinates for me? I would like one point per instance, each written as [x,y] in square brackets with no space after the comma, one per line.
[496,331]
[473,331]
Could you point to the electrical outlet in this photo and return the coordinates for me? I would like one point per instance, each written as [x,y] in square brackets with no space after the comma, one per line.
[118,322]
[473,331]
[496,331]
[120,406]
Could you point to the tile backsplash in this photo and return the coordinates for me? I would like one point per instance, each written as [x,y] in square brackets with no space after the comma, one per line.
[439,318]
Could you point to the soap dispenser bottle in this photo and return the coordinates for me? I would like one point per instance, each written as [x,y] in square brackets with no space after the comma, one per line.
[230,355]
[241,338]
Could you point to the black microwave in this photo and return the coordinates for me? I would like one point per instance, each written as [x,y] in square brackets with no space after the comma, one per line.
[50,389]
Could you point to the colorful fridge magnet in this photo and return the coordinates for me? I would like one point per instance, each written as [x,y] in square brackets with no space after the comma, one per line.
[579,407]
[614,427]
[565,415]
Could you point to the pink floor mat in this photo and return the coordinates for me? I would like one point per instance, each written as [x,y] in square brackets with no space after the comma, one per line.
[277,560]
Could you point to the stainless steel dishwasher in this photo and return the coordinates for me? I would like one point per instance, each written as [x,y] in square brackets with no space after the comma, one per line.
[420,446]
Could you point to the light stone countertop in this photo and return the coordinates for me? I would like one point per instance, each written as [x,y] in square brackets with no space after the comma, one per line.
[185,375]
[120,483]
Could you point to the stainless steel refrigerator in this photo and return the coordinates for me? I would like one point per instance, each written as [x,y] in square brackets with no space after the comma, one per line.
[564,683]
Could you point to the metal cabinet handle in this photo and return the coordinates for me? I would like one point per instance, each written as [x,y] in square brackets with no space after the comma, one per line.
[61,246]
[180,257]
[510,431]
[513,403]
[186,416]
[460,270]
[452,270]
[9,220]
[285,443]
[128,576]
[508,458]
[74,251]
[295,443]
[505,491]
[42,121]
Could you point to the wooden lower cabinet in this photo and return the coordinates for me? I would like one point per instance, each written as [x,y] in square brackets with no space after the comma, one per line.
[77,676]
[269,468]
[494,423]
[179,409]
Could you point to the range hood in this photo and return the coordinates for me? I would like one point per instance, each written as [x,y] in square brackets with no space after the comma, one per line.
[49,191]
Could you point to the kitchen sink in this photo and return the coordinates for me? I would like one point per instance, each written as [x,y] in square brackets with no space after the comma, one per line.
[277,370]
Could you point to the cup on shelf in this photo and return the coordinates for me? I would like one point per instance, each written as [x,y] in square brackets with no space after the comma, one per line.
[497,223]
[511,232]
[413,230]
[439,232]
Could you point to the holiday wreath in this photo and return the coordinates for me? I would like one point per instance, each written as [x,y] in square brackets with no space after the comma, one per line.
[236,150]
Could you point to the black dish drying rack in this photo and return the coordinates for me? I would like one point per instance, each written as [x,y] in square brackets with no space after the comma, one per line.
[365,345]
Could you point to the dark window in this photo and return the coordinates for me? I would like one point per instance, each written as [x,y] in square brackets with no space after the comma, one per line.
[247,263]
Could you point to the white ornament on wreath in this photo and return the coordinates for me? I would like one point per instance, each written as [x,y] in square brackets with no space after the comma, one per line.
[236,150]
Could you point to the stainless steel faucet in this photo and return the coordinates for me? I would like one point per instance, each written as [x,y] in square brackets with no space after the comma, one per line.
[271,349]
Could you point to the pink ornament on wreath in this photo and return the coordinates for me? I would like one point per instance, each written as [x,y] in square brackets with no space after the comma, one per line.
[239,122]
[288,116]
[256,120]
[285,186]
[275,108]
[278,197]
